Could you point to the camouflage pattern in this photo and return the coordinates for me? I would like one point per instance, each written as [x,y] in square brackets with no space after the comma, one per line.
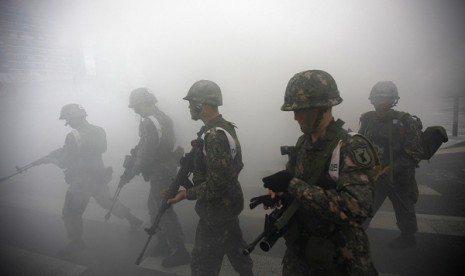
[311,89]
[386,89]
[332,211]
[219,202]
[212,242]
[141,95]
[86,175]
[205,91]
[72,111]
[407,152]
[157,163]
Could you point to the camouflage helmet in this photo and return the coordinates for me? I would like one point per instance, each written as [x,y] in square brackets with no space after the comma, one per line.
[72,111]
[205,91]
[141,95]
[311,89]
[385,89]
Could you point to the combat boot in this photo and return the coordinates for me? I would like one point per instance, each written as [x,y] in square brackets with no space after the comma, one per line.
[72,247]
[179,257]
[161,249]
[404,241]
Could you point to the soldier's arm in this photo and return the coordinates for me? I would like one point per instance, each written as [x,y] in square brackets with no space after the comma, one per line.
[351,202]
[63,156]
[146,147]
[219,168]
[412,145]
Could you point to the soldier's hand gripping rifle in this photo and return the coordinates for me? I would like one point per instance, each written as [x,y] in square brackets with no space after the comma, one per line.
[40,161]
[125,178]
[276,223]
[182,179]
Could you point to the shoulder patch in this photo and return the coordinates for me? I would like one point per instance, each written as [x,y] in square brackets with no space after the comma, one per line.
[361,155]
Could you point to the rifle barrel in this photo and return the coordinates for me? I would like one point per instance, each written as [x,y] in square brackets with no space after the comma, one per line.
[251,246]
[141,255]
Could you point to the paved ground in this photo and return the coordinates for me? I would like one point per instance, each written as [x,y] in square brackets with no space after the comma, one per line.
[32,229]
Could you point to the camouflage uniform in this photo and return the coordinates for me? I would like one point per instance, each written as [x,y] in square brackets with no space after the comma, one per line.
[325,236]
[406,153]
[332,210]
[219,196]
[81,157]
[219,202]
[157,163]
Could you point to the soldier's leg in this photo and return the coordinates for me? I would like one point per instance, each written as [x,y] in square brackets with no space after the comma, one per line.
[208,252]
[162,248]
[404,208]
[76,200]
[101,194]
[295,265]
[234,245]
[170,221]
[170,228]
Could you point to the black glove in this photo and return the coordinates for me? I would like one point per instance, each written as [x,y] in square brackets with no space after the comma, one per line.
[278,182]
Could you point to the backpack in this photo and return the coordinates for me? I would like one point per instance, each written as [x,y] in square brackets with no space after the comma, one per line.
[431,138]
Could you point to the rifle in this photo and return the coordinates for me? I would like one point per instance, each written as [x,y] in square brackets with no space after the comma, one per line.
[276,223]
[19,170]
[182,179]
[125,178]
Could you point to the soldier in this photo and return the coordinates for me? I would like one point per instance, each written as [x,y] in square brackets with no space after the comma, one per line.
[157,162]
[397,137]
[81,159]
[330,178]
[217,163]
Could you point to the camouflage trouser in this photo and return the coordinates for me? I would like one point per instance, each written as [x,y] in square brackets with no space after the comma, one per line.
[212,242]
[170,228]
[295,265]
[403,200]
[76,200]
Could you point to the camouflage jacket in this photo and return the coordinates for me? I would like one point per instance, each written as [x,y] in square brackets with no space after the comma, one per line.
[217,164]
[154,152]
[406,138]
[334,209]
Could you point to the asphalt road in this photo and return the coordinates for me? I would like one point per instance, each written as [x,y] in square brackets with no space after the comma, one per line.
[32,230]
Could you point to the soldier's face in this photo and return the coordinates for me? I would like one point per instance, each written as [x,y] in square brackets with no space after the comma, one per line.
[306,119]
[195,109]
[141,110]
[73,122]
[382,104]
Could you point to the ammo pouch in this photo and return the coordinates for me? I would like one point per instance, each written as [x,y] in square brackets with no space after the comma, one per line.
[319,254]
